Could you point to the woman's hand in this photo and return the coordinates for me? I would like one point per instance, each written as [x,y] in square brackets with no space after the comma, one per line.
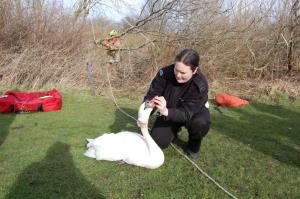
[161,105]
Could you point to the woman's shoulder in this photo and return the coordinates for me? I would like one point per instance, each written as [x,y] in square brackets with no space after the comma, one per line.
[167,71]
[200,82]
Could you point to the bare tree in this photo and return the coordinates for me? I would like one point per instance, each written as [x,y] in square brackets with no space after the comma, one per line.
[293,25]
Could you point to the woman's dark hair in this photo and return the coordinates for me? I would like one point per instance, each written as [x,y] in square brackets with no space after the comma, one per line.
[189,57]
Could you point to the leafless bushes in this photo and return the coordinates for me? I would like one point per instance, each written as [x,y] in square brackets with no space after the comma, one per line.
[39,45]
[239,41]
[245,39]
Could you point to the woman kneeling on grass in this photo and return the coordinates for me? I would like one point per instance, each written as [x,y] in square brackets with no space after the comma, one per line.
[180,94]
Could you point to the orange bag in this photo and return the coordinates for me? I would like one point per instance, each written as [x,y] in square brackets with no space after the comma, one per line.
[223,99]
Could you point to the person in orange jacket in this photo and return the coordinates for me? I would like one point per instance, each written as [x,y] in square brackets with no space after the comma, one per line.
[112,45]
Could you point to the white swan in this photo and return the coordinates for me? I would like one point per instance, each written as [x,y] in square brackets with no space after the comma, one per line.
[130,147]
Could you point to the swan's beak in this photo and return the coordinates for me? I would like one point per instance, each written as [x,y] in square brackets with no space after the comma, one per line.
[149,104]
[143,115]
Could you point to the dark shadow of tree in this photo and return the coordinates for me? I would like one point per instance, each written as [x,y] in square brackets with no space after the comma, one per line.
[5,122]
[265,128]
[53,177]
[123,122]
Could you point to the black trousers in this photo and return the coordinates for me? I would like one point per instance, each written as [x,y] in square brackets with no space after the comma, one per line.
[164,132]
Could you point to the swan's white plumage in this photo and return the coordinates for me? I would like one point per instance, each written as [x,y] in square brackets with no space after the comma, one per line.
[131,147]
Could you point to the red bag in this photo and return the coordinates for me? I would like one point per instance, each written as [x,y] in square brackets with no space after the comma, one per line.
[7,104]
[223,99]
[30,101]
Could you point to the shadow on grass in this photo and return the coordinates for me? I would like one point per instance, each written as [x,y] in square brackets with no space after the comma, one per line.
[123,122]
[53,177]
[180,143]
[5,122]
[272,130]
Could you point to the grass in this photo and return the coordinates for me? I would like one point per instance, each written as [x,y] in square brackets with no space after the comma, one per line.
[253,151]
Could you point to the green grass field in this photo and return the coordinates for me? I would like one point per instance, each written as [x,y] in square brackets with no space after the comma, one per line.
[254,152]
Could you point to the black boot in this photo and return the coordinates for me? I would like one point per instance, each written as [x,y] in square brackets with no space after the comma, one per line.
[192,154]
[193,148]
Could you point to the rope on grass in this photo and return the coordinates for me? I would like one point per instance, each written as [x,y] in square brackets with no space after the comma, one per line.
[191,161]
[114,99]
[203,172]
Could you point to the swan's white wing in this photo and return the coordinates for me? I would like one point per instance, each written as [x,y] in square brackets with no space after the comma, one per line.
[127,146]
[131,147]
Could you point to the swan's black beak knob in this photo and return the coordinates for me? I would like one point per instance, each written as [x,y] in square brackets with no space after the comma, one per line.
[147,105]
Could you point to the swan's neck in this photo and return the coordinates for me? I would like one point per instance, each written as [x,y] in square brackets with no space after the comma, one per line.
[144,114]
[151,143]
[145,132]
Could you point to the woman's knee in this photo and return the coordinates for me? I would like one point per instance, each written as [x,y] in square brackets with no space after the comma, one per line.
[201,119]
[162,139]
[199,125]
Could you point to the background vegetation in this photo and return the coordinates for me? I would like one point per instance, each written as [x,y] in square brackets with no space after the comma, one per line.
[250,48]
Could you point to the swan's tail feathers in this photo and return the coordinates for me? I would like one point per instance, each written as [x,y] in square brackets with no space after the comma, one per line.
[89,140]
[91,153]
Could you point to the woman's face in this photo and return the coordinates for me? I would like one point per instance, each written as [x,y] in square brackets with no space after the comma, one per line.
[183,73]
